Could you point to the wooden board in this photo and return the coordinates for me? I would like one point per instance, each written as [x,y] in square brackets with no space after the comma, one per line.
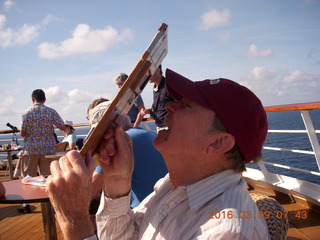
[131,89]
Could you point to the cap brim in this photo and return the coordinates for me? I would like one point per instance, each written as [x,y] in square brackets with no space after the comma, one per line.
[178,86]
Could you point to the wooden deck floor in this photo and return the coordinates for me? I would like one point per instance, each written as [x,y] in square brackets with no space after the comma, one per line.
[15,225]
[304,217]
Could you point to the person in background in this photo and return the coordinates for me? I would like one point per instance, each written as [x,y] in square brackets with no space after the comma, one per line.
[2,190]
[70,135]
[161,97]
[214,128]
[17,170]
[138,105]
[37,125]
[149,164]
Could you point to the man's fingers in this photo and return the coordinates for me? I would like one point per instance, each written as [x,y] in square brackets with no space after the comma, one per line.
[55,167]
[123,140]
[89,162]
[76,161]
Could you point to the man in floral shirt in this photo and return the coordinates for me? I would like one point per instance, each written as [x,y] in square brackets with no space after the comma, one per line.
[37,127]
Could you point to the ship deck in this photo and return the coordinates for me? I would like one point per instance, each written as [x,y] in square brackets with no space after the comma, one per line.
[15,225]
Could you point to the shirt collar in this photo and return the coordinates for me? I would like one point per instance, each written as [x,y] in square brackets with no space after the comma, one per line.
[206,189]
[37,104]
[156,88]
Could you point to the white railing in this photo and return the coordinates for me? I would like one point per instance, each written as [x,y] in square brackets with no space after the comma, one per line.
[309,129]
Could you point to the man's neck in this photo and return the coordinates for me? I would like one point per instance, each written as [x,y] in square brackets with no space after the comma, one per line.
[192,171]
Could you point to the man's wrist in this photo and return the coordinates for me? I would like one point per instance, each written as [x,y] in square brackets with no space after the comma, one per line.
[118,188]
[79,228]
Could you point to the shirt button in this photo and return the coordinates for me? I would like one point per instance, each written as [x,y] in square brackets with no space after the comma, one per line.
[166,206]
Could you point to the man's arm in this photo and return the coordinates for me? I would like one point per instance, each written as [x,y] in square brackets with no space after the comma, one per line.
[139,116]
[97,183]
[116,161]
[63,127]
[69,186]
[69,190]
[23,133]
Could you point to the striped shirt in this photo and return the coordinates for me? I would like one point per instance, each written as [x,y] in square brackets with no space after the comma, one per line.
[217,207]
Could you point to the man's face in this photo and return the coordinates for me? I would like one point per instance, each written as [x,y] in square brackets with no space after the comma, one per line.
[188,124]
[120,85]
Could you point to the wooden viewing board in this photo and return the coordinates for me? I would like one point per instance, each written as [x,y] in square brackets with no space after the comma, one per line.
[131,89]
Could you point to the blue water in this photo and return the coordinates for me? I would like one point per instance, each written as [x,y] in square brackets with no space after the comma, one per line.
[289,120]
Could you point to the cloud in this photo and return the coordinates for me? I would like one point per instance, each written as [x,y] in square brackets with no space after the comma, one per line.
[50,18]
[276,86]
[261,80]
[255,52]
[55,95]
[84,40]
[214,19]
[6,106]
[22,36]
[300,86]
[262,73]
[71,105]
[8,4]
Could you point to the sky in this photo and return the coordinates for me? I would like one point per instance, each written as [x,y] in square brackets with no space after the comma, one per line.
[74,49]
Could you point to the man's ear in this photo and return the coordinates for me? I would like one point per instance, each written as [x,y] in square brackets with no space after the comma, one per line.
[220,143]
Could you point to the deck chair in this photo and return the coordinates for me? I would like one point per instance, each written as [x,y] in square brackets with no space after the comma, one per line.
[277,227]
[61,147]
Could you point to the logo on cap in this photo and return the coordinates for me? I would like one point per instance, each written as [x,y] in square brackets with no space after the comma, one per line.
[214,81]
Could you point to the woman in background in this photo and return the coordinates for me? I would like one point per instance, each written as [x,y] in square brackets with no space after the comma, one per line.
[70,135]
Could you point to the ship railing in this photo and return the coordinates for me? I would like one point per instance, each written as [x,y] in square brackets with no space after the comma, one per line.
[304,109]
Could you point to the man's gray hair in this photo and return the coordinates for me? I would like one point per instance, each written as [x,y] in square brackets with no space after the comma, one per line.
[121,78]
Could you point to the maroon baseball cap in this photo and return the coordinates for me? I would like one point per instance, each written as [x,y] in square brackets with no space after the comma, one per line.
[238,108]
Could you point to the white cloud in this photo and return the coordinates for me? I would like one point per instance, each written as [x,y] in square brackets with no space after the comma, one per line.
[77,96]
[6,105]
[50,18]
[300,86]
[275,86]
[22,36]
[8,4]
[293,77]
[2,20]
[84,40]
[262,73]
[55,96]
[214,18]
[260,80]
[255,52]
[71,105]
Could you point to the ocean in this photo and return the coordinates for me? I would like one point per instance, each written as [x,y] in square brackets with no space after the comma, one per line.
[289,120]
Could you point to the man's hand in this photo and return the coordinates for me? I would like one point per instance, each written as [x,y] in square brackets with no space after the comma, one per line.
[117,162]
[69,189]
[144,112]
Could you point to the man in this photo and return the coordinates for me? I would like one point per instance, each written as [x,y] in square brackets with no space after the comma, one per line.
[160,98]
[137,107]
[149,164]
[214,128]
[37,126]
